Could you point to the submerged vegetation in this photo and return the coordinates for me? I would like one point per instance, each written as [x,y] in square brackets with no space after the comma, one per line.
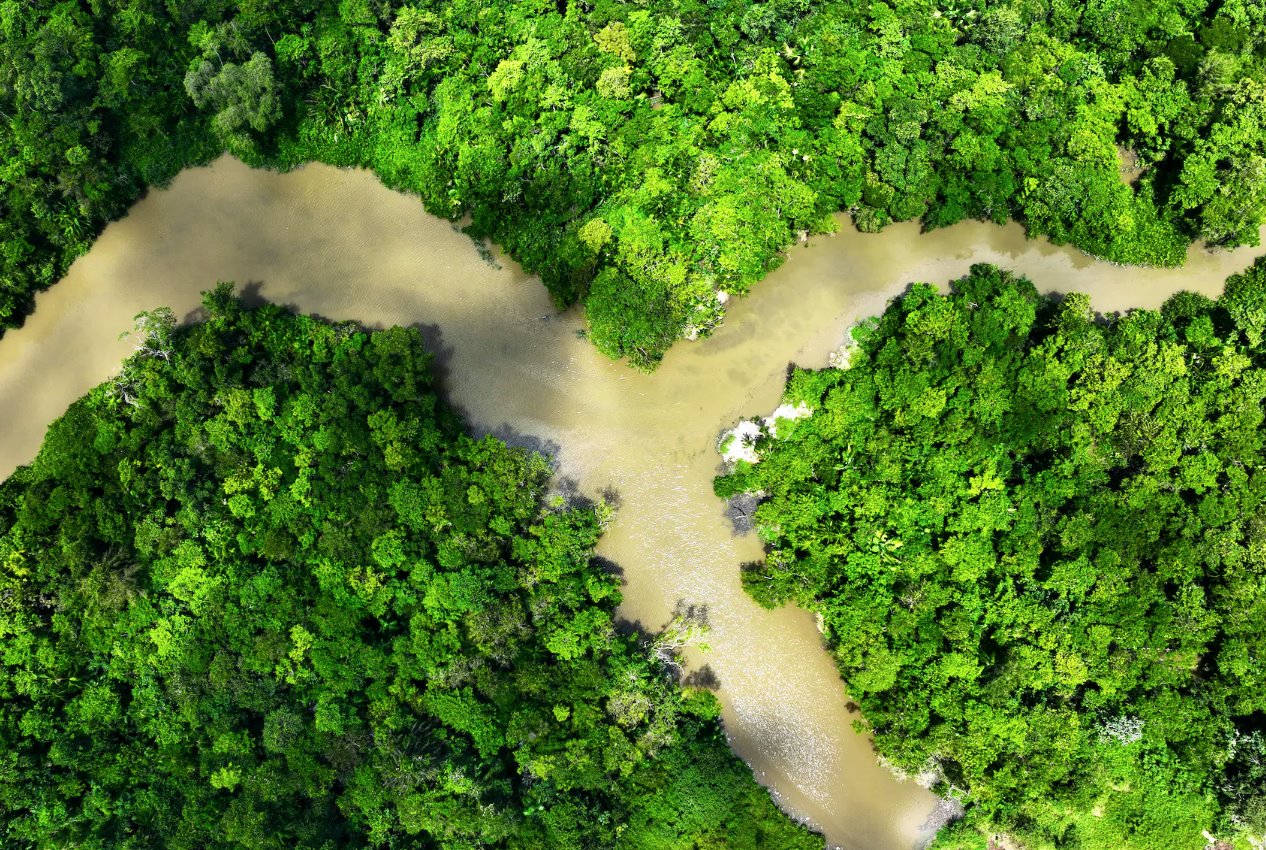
[260,591]
[1036,540]
[643,157]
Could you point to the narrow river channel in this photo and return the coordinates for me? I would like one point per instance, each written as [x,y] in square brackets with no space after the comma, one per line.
[338,244]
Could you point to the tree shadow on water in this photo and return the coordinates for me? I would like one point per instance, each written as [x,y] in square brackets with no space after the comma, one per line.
[511,436]
[611,496]
[633,628]
[609,567]
[441,357]
[704,678]
[739,510]
[252,297]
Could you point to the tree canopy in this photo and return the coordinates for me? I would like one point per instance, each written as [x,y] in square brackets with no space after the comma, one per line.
[641,158]
[260,591]
[1037,542]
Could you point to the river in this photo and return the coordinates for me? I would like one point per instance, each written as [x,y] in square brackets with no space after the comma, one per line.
[338,244]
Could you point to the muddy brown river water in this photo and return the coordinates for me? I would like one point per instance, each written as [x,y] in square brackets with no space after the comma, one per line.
[339,244]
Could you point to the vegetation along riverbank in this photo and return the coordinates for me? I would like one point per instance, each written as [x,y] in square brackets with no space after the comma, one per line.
[644,160]
[1035,540]
[261,591]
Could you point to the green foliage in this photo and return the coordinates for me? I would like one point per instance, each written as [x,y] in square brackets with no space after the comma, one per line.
[706,136]
[1036,542]
[243,97]
[260,591]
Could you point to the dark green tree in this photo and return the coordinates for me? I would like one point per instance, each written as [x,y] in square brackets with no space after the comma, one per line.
[242,97]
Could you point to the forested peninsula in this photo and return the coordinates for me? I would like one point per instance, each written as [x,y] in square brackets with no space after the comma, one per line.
[644,159]
[261,591]
[1036,541]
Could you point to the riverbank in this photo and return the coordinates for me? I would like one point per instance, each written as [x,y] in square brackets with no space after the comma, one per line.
[338,244]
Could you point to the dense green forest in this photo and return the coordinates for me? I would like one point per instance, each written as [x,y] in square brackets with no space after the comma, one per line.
[260,591]
[641,157]
[1036,539]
